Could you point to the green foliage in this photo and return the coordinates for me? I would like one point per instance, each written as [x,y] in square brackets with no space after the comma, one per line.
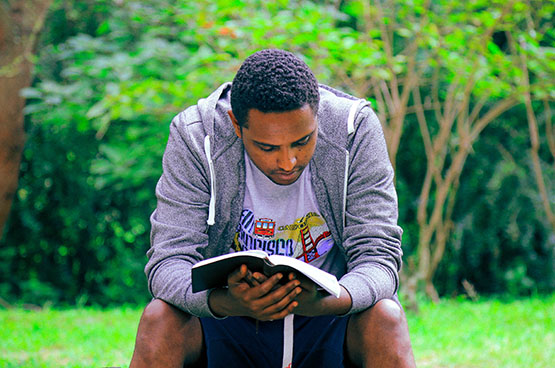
[500,244]
[75,243]
[97,118]
[111,74]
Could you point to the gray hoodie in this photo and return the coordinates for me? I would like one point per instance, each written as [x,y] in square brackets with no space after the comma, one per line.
[201,191]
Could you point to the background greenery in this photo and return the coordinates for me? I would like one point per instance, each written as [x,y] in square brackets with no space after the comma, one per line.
[110,75]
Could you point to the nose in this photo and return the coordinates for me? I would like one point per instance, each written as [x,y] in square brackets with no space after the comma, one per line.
[287,159]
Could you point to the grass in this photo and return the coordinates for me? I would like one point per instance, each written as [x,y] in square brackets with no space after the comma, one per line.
[485,334]
[67,338]
[452,333]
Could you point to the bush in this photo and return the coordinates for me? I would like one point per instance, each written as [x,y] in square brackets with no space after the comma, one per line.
[110,76]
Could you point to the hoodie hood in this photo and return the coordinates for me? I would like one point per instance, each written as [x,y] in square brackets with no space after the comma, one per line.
[220,134]
[215,119]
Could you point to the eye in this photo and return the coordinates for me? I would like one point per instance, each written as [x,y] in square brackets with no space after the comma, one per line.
[303,142]
[266,148]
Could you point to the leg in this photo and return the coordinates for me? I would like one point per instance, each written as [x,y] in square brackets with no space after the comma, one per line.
[379,337]
[167,337]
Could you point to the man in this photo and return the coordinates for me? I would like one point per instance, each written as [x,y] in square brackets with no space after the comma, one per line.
[311,163]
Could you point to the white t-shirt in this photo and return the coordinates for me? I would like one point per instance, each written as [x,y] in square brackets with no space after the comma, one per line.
[286,220]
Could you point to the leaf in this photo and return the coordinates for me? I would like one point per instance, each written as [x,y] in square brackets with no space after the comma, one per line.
[96,110]
[30,92]
[404,32]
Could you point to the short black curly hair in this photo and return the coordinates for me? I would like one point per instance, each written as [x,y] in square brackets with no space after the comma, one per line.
[273,80]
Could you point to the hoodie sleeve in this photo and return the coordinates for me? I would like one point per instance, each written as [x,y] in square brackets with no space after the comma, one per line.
[179,228]
[371,237]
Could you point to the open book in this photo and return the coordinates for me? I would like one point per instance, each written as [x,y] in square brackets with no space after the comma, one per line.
[213,272]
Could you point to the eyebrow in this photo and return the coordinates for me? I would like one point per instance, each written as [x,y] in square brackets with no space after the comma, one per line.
[297,141]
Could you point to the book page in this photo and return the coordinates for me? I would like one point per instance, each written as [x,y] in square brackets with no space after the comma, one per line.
[253,253]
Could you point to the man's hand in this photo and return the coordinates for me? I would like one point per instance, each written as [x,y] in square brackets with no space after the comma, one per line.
[309,299]
[255,295]
[313,302]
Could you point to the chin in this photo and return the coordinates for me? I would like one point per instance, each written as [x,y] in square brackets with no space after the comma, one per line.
[285,181]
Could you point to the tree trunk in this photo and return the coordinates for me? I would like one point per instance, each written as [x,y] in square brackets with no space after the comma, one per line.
[19,25]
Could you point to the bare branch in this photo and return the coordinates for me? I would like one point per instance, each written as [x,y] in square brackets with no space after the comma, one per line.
[388,48]
[382,108]
[347,79]
[498,109]
[435,95]
[478,107]
[425,132]
[387,96]
[535,140]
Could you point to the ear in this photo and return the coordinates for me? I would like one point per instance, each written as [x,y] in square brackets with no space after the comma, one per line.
[236,125]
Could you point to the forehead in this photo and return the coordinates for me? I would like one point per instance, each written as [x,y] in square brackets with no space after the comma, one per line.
[278,128]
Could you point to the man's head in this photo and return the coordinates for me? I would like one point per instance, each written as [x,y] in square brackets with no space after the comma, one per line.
[274,101]
[273,81]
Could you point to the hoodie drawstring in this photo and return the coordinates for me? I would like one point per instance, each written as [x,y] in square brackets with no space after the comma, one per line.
[350,130]
[212,204]
[288,341]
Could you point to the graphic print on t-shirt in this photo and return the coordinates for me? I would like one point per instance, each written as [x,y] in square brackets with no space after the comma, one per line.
[307,238]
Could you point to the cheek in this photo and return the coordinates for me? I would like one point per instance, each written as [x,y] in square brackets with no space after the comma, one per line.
[306,153]
[262,160]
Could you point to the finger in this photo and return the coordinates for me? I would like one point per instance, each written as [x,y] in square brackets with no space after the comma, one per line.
[280,314]
[286,303]
[251,280]
[279,298]
[307,283]
[268,285]
[260,277]
[236,276]
[276,303]
[286,311]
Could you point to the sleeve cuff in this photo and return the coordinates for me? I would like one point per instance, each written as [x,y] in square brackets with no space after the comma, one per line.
[197,304]
[366,290]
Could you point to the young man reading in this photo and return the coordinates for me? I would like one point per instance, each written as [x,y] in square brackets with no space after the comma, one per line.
[274,161]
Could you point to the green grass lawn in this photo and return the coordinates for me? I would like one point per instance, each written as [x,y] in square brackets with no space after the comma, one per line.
[449,334]
[485,334]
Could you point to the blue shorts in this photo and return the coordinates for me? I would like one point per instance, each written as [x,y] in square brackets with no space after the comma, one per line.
[239,342]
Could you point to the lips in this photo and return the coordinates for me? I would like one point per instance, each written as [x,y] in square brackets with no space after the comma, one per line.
[287,177]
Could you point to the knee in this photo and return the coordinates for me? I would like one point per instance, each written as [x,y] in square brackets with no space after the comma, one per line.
[375,331]
[385,314]
[166,336]
[161,313]
[388,314]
